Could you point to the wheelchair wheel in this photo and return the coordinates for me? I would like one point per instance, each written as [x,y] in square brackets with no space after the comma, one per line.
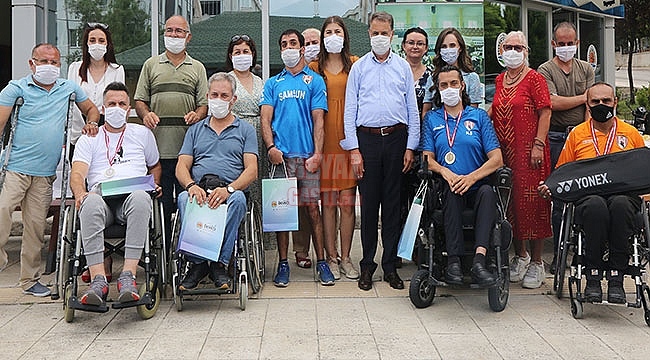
[148,311]
[63,274]
[178,301]
[647,317]
[243,292]
[576,309]
[68,312]
[255,249]
[498,294]
[562,252]
[178,296]
[421,290]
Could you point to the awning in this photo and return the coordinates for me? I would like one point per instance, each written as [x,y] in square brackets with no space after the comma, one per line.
[609,7]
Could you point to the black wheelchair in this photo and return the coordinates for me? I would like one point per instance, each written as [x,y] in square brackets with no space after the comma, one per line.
[430,242]
[563,184]
[71,262]
[246,266]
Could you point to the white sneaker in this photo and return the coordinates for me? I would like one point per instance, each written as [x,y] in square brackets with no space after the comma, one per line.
[334,268]
[348,269]
[518,266]
[534,276]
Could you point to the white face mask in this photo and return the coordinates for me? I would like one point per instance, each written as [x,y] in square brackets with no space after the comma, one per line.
[449,55]
[333,44]
[242,62]
[512,58]
[97,51]
[311,52]
[380,44]
[291,57]
[565,53]
[450,96]
[219,108]
[46,74]
[175,45]
[115,116]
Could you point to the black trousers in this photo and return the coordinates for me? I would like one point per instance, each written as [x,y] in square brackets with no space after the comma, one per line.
[556,143]
[484,202]
[383,160]
[171,188]
[607,221]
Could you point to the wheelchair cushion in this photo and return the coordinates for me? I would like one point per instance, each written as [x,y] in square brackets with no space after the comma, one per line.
[602,176]
[115,231]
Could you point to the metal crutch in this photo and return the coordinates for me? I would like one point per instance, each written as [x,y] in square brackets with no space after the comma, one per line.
[12,129]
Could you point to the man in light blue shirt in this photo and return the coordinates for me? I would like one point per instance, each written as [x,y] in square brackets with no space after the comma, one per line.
[35,153]
[382,128]
[292,112]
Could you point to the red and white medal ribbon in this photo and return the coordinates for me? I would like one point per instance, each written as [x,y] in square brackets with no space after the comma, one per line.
[610,139]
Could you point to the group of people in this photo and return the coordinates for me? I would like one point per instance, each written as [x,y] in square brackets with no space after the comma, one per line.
[331,119]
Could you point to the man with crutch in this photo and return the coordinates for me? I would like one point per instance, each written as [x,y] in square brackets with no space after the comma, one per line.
[34,154]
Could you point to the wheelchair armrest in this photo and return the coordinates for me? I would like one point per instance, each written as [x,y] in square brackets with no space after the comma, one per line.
[502,177]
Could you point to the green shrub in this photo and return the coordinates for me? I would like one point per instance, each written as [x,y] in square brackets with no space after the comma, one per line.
[642,96]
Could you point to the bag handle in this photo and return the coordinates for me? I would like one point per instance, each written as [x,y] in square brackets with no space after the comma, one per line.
[273,167]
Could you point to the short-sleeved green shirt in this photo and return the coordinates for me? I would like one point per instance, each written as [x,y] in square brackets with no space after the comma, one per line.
[172,92]
[574,83]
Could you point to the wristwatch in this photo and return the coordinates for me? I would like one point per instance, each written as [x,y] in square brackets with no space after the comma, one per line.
[230,189]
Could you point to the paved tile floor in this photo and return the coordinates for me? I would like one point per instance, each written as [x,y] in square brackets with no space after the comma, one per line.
[309,321]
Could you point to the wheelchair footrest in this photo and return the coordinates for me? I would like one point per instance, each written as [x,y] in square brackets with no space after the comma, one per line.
[144,300]
[206,291]
[74,303]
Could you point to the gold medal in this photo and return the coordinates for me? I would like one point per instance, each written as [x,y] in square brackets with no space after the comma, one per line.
[450,157]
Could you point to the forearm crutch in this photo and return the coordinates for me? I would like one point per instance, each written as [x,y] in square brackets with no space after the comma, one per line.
[12,129]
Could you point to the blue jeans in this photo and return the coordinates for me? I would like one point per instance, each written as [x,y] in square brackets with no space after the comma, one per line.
[236,211]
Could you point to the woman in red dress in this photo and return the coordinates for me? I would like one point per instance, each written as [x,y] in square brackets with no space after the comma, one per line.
[521,113]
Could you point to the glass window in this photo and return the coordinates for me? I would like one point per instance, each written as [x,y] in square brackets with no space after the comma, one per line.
[538,40]
[591,43]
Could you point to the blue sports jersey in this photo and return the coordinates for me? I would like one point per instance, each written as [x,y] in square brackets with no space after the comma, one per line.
[293,97]
[475,137]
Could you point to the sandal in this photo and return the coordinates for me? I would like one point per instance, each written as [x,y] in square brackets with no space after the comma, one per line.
[303,262]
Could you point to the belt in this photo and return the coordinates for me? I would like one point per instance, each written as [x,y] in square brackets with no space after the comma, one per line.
[384,130]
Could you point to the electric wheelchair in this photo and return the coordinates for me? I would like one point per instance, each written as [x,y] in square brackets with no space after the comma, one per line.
[571,247]
[430,242]
[246,265]
[71,262]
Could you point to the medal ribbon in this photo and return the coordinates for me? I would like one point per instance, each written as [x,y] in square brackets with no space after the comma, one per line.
[452,138]
[610,139]
[117,148]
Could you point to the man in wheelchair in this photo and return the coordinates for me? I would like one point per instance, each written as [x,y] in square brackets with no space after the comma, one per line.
[221,149]
[462,147]
[605,220]
[119,151]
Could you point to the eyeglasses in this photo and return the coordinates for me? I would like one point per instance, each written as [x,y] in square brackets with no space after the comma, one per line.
[517,48]
[418,44]
[95,25]
[45,62]
[240,37]
[176,31]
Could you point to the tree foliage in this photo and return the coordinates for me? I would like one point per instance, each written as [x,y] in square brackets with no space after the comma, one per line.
[635,25]
[128,23]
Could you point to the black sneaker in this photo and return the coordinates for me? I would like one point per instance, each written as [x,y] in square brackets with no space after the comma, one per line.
[194,275]
[615,292]
[219,275]
[593,291]
[481,276]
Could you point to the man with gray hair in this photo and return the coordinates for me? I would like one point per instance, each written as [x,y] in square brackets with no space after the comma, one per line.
[223,147]
[312,44]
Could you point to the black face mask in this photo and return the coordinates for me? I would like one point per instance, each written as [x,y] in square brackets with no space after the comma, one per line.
[601,112]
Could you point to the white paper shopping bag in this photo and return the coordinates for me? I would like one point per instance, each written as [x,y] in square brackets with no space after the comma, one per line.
[202,230]
[279,204]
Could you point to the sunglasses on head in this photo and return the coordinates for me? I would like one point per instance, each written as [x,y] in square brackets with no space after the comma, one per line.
[240,37]
[95,25]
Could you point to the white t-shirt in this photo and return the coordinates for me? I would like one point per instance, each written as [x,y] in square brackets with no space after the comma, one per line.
[94,90]
[138,151]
